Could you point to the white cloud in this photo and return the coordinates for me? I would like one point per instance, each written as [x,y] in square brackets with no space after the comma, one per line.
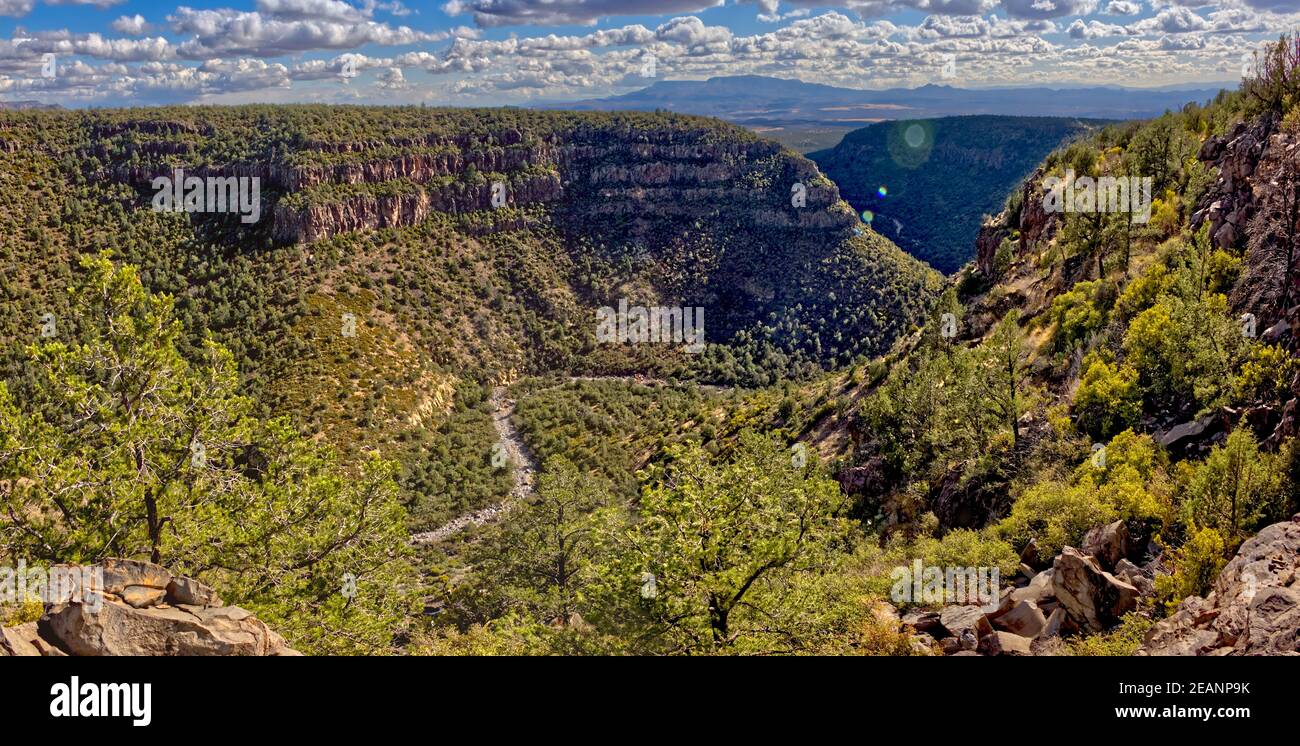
[1080,29]
[134,25]
[1122,8]
[565,12]
[101,4]
[230,32]
[1173,20]
[16,7]
[1049,8]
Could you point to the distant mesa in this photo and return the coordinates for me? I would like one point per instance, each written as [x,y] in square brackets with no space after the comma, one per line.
[27,104]
[759,100]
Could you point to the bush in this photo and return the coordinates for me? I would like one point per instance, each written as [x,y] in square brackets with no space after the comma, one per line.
[1056,515]
[1196,564]
[1266,375]
[1123,640]
[965,547]
[1236,489]
[1081,312]
[1133,479]
[1108,401]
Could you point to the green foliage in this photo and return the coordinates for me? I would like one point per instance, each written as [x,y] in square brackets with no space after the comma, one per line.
[1056,515]
[1185,350]
[543,561]
[1132,478]
[1108,400]
[1237,489]
[727,545]
[127,450]
[1274,85]
[972,164]
[1081,312]
[1266,375]
[1123,640]
[610,428]
[965,547]
[1196,565]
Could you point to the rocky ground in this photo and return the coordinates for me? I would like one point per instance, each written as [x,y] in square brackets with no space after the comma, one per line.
[1253,610]
[142,609]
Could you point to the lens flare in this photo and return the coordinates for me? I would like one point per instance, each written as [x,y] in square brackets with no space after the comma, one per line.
[868,216]
[882,192]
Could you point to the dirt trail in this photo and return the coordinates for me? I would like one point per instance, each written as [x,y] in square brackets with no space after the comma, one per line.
[525,465]
[517,455]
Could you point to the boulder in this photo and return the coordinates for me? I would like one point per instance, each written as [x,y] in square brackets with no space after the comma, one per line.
[1053,627]
[1004,643]
[19,641]
[1039,591]
[120,629]
[1108,544]
[1092,597]
[965,618]
[1029,555]
[141,610]
[191,592]
[120,573]
[1024,619]
[142,597]
[1254,608]
[926,622]
[1134,576]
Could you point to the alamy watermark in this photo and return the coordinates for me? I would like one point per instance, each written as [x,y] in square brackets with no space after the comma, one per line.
[654,325]
[1131,194]
[181,193]
[922,584]
[102,700]
[52,585]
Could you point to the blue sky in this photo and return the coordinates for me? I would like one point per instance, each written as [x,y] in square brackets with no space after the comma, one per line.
[486,52]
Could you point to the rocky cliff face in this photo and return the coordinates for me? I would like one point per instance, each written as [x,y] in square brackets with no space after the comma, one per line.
[322,188]
[141,609]
[1254,608]
[1254,205]
[1036,227]
[592,173]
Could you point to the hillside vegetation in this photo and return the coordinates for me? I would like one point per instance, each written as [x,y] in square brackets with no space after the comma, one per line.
[941,176]
[1101,408]
[374,306]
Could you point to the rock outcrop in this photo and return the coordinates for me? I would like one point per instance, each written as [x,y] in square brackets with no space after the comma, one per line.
[1036,226]
[1092,598]
[142,609]
[1254,608]
[1079,592]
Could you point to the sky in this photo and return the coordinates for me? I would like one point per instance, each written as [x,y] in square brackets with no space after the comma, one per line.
[496,52]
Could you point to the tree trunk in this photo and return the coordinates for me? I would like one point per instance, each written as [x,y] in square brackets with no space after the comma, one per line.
[718,620]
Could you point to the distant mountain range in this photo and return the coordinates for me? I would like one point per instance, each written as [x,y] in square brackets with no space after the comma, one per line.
[763,101]
[27,104]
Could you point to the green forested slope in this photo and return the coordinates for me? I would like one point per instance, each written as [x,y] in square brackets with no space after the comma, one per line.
[941,176]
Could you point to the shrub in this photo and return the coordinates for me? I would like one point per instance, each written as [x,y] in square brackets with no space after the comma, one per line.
[1133,480]
[1266,375]
[965,547]
[1108,400]
[1056,515]
[1123,640]
[1236,489]
[1196,566]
